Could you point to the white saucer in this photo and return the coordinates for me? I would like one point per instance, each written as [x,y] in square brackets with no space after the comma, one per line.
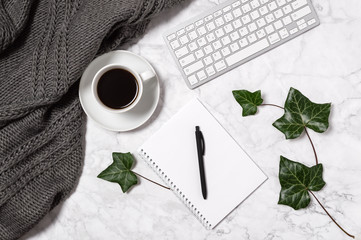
[132,118]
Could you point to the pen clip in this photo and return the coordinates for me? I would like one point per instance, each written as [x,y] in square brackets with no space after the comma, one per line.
[202,142]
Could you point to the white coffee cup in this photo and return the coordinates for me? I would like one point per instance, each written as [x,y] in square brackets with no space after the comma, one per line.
[140,79]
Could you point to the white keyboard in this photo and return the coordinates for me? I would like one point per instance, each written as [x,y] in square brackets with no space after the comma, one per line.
[235,32]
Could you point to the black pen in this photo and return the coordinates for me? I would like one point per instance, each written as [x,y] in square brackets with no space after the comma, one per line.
[200,150]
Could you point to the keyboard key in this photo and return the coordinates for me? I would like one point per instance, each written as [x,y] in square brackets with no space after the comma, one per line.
[208,60]
[192,79]
[210,26]
[246,19]
[219,21]
[293,31]
[201,41]
[278,24]
[220,65]
[218,13]
[225,51]
[183,39]
[192,35]
[261,22]
[180,32]
[187,60]
[312,21]
[210,71]
[301,13]
[189,27]
[302,26]
[281,2]
[228,28]
[263,10]
[208,49]
[283,33]
[193,68]
[278,13]
[269,29]
[201,75]
[286,20]
[252,27]
[243,31]
[246,8]
[234,36]
[273,38]
[260,33]
[272,6]
[299,22]
[175,44]
[255,4]
[252,38]
[228,17]
[225,40]
[171,37]
[216,56]
[227,9]
[237,23]
[270,18]
[236,4]
[199,23]
[298,3]
[181,52]
[234,47]
[243,42]
[192,46]
[210,37]
[254,15]
[201,31]
[219,32]
[237,12]
[287,9]
[247,52]
[199,54]
[217,45]
[208,18]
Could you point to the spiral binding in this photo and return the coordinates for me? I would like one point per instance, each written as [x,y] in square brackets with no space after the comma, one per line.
[173,186]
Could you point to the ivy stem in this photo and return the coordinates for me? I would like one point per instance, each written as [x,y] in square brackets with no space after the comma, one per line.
[330,215]
[313,147]
[151,180]
[269,104]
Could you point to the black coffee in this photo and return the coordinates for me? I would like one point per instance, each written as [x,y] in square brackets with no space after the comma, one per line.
[117,88]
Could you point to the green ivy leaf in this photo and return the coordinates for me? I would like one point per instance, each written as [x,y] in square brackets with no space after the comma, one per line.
[119,171]
[296,179]
[300,112]
[248,101]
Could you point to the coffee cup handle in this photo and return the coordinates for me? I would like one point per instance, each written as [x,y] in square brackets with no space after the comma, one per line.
[147,75]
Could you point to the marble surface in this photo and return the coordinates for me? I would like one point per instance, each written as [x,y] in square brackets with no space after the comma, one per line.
[324,64]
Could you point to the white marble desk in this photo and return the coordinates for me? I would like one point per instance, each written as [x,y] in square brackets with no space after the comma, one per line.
[324,64]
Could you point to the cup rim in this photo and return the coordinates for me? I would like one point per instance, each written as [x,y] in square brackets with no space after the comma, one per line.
[100,73]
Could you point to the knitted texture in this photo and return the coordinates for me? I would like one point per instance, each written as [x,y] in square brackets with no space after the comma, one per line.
[44,48]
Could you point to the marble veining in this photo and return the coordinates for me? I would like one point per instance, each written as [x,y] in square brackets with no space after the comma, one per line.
[324,64]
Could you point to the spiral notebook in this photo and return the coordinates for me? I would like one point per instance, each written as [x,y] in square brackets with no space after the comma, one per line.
[231,175]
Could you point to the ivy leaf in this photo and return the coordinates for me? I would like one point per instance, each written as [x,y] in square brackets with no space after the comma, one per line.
[300,112]
[248,101]
[296,179]
[119,171]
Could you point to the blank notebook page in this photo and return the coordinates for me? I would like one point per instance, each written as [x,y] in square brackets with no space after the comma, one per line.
[231,175]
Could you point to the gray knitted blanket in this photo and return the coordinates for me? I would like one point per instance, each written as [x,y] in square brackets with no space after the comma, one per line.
[44,48]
